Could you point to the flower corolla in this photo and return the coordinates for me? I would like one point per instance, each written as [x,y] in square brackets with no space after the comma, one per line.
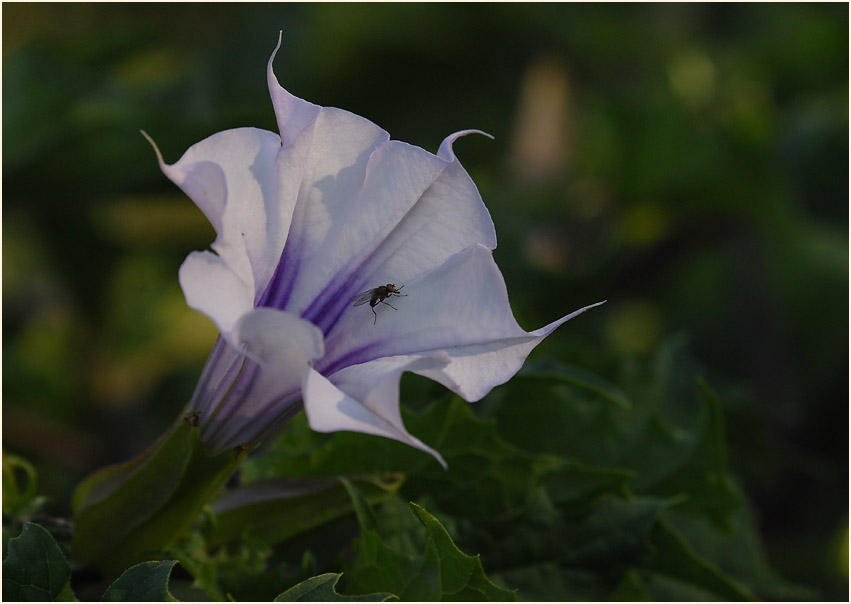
[307,219]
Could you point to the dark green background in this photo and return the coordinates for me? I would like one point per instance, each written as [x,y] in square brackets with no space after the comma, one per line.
[698,180]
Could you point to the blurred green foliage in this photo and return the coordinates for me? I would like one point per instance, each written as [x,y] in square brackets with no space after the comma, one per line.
[689,163]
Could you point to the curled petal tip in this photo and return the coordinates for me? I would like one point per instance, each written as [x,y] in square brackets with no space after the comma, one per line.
[154,145]
[461,133]
[482,132]
[446,151]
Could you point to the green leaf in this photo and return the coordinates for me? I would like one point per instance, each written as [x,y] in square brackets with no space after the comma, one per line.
[564,496]
[736,552]
[322,589]
[484,470]
[631,588]
[671,437]
[145,582]
[276,509]
[675,559]
[605,534]
[35,569]
[379,568]
[550,371]
[702,474]
[575,482]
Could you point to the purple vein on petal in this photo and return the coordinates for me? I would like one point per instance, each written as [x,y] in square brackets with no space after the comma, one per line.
[356,356]
[332,301]
[280,286]
[260,425]
[218,349]
[209,400]
[233,397]
[340,299]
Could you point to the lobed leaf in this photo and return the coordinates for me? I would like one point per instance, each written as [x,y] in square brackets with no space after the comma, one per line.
[145,582]
[35,570]
[484,469]
[322,588]
[440,573]
[462,577]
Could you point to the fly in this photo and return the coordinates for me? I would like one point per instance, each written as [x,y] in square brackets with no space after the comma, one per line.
[377,296]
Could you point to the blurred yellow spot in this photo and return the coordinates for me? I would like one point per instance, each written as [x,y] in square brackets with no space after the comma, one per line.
[644,224]
[547,248]
[589,199]
[152,222]
[634,328]
[692,76]
[150,69]
[121,377]
[748,109]
[842,551]
[540,143]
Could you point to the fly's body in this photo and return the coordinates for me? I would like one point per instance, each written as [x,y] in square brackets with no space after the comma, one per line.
[377,296]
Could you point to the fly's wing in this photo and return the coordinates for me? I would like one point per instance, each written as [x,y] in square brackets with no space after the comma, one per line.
[362,298]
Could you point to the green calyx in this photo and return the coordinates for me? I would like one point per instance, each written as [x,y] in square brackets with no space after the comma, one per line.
[128,513]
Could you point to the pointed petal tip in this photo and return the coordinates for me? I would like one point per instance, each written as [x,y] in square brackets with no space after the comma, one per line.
[440,460]
[277,46]
[270,68]
[548,329]
[583,309]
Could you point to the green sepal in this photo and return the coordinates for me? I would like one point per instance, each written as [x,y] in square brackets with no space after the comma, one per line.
[128,513]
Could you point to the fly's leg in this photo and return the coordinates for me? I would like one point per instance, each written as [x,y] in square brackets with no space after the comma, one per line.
[388,304]
[372,308]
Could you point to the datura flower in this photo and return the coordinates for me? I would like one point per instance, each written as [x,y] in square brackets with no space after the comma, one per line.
[305,221]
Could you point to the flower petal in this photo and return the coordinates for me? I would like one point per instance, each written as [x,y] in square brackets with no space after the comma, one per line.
[233,177]
[294,115]
[364,202]
[446,218]
[336,148]
[412,211]
[212,287]
[366,399]
[460,307]
[243,398]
